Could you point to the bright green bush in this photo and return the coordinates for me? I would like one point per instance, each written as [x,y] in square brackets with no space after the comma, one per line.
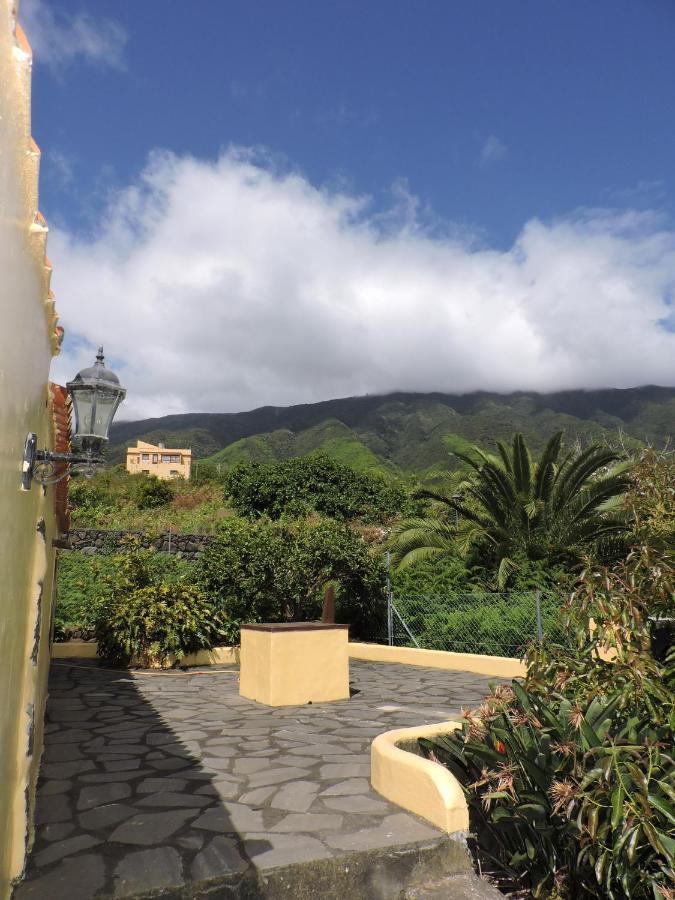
[268,571]
[157,624]
[316,483]
[147,610]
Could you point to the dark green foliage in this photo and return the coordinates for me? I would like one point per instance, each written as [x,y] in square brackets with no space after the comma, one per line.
[264,571]
[313,483]
[479,622]
[77,586]
[445,575]
[570,776]
[83,578]
[511,509]
[147,612]
[152,492]
[436,576]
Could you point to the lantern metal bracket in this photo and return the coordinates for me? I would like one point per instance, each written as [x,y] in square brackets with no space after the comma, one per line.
[43,465]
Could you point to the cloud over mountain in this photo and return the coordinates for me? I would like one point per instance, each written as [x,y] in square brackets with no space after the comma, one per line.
[230,284]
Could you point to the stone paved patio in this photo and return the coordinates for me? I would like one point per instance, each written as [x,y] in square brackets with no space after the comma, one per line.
[158,782]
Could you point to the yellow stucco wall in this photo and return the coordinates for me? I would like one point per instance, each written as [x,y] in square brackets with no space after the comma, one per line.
[27,342]
[291,668]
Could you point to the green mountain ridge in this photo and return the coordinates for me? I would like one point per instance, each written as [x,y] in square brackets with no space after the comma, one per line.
[409,433]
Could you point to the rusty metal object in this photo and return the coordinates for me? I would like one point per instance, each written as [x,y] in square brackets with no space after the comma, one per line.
[328,614]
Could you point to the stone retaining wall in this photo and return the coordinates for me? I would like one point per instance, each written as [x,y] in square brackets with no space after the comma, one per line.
[95,540]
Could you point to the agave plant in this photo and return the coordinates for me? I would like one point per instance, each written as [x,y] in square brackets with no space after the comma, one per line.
[512,508]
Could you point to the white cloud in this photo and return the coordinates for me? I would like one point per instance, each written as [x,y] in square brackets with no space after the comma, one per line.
[221,286]
[58,39]
[492,150]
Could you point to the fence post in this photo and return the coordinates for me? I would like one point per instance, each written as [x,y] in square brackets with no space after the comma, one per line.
[540,631]
[390,612]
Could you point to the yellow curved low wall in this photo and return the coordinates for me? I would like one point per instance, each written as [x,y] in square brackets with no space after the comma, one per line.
[219,656]
[417,784]
[497,666]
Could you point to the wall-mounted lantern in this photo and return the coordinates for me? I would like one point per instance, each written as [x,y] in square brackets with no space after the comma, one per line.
[95,393]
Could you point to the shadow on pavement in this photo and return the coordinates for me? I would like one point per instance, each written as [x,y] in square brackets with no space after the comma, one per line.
[124,808]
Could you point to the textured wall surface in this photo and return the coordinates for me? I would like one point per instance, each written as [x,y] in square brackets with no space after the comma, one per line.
[27,341]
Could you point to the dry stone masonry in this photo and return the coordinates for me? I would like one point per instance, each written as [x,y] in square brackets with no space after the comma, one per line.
[95,540]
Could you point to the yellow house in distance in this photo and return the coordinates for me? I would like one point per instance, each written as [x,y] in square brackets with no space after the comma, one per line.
[148,459]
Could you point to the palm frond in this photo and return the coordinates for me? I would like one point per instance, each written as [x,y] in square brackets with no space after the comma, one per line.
[505,456]
[522,465]
[546,468]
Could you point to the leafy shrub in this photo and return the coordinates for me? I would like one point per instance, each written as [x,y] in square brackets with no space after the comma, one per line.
[313,483]
[146,610]
[570,778]
[154,624]
[267,571]
[82,578]
[152,492]
[651,500]
[77,586]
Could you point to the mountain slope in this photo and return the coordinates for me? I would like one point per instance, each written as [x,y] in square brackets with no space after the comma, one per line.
[408,432]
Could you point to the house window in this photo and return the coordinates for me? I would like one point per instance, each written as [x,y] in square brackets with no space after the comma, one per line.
[154,458]
[174,473]
[145,457]
[145,471]
[166,457]
[175,459]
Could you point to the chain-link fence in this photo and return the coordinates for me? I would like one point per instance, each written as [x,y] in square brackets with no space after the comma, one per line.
[478,622]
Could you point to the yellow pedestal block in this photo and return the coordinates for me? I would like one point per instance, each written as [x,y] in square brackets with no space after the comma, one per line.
[295,663]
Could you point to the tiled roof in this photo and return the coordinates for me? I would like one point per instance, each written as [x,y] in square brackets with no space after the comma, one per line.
[61,407]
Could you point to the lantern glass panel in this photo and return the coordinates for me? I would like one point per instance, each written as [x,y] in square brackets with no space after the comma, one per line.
[106,404]
[83,404]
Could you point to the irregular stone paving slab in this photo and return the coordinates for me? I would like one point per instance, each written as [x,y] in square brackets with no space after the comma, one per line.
[97,794]
[221,855]
[61,849]
[350,786]
[297,823]
[57,831]
[74,879]
[266,851]
[151,828]
[181,779]
[149,870]
[356,804]
[297,796]
[104,816]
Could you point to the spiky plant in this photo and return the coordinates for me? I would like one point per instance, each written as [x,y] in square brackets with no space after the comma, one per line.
[513,508]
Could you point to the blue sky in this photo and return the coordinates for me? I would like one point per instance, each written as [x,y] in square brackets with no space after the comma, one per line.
[493,111]
[476,118]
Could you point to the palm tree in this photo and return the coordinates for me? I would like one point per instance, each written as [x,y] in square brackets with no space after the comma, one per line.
[512,508]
